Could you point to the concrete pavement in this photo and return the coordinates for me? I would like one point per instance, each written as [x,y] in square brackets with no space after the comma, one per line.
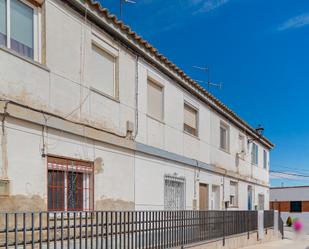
[290,242]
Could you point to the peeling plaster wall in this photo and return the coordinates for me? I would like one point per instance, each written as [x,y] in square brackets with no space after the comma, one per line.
[114,172]
[62,85]
[122,181]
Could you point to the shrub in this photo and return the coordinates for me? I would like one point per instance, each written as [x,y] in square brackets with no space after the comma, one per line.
[289,221]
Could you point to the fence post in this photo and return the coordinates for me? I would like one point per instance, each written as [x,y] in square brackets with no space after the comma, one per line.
[276,221]
[248,224]
[260,225]
[223,226]
[182,229]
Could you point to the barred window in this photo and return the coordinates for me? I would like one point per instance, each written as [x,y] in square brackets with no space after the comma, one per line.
[70,185]
[174,193]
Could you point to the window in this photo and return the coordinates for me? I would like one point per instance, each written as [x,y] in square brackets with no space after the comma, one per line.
[102,71]
[264,159]
[174,193]
[190,120]
[155,100]
[17,25]
[295,206]
[70,185]
[3,25]
[224,137]
[254,154]
[233,194]
[241,145]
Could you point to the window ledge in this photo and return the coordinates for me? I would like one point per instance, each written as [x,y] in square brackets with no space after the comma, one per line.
[104,94]
[233,207]
[226,151]
[158,120]
[35,63]
[194,136]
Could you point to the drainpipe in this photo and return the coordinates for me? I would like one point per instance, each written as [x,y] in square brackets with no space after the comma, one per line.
[4,175]
[136,96]
[195,181]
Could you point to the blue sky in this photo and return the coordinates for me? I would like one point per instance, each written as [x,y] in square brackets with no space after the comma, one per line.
[258,49]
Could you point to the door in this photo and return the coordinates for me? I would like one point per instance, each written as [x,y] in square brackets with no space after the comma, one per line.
[249,198]
[203,193]
[215,202]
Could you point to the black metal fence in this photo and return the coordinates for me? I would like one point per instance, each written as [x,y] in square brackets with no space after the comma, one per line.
[268,218]
[281,226]
[125,229]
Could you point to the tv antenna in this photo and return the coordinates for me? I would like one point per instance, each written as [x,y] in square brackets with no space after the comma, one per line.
[208,82]
[121,5]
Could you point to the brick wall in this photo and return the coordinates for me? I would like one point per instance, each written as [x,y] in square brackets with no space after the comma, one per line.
[284,206]
[305,206]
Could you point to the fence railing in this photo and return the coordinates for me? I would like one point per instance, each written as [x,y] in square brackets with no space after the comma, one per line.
[281,225]
[123,229]
[268,218]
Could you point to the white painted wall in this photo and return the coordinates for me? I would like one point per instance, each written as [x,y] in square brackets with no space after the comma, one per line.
[62,87]
[169,135]
[28,169]
[289,194]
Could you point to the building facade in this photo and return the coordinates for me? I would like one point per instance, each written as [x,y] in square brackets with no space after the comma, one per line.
[290,200]
[93,117]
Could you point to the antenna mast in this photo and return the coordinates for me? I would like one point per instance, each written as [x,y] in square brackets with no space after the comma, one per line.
[121,5]
[209,83]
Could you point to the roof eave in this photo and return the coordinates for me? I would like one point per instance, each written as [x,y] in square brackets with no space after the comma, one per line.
[101,17]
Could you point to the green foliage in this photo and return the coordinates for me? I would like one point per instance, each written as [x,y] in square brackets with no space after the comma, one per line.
[289,221]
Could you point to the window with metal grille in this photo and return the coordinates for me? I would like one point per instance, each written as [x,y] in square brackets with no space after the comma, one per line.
[70,184]
[174,193]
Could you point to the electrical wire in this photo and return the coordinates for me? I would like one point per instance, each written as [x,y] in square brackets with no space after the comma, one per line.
[289,173]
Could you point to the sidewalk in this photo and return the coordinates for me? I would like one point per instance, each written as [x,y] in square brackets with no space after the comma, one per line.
[289,243]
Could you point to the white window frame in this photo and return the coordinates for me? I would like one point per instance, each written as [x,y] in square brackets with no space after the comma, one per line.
[265,159]
[235,204]
[113,52]
[156,83]
[36,29]
[182,203]
[186,103]
[254,156]
[227,129]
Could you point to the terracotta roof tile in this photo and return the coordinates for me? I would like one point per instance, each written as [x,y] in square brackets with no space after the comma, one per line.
[97,6]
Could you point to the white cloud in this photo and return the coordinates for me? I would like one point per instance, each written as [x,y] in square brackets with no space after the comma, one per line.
[209,5]
[295,22]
